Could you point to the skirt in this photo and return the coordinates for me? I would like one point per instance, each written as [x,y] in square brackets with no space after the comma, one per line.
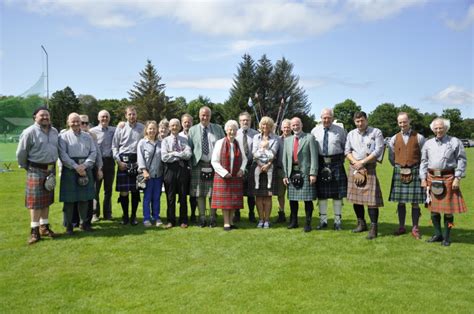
[337,187]
[227,193]
[36,196]
[71,192]
[198,186]
[370,194]
[451,202]
[263,189]
[407,193]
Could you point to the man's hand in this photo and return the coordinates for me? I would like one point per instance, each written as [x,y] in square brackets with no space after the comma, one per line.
[423,183]
[312,179]
[456,183]
[228,176]
[240,174]
[100,174]
[285,181]
[122,166]
[359,164]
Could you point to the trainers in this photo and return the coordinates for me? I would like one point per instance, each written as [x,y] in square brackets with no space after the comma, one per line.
[159,223]
[147,223]
[260,224]
[266,225]
[95,218]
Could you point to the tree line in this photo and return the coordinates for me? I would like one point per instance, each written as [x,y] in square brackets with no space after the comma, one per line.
[261,88]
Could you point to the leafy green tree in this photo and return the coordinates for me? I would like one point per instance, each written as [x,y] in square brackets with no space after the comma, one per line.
[344,113]
[19,107]
[427,119]
[454,115]
[89,107]
[384,117]
[148,95]
[468,126]
[263,87]
[62,103]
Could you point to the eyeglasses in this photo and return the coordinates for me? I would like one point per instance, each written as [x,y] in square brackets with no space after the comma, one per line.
[84,123]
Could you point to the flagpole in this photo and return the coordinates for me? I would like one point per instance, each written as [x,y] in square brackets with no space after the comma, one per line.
[47,76]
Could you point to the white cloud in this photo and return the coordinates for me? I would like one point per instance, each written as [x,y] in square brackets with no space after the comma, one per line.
[202,83]
[459,25]
[380,9]
[453,95]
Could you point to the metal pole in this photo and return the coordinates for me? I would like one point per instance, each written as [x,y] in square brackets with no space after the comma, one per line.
[47,77]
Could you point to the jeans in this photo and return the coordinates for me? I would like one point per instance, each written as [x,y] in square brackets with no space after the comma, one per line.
[152,194]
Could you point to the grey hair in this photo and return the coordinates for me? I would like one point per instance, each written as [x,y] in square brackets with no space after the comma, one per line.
[329,110]
[446,123]
[174,120]
[103,112]
[231,123]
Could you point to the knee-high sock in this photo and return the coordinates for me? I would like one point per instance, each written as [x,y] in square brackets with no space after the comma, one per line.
[135,201]
[359,211]
[251,203]
[402,213]
[448,224]
[201,203]
[323,210]
[124,202]
[308,208]
[337,204]
[415,214]
[436,220]
[294,211]
[374,215]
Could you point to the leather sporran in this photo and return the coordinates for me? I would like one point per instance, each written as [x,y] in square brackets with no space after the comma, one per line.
[50,182]
[437,188]
[406,176]
[326,175]
[360,177]
[82,181]
[297,179]
[207,174]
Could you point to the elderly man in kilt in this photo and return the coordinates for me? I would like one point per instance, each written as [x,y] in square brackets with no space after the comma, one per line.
[78,153]
[405,156]
[37,153]
[332,179]
[245,136]
[300,164]
[364,146]
[443,164]
[229,161]
[124,150]
[202,138]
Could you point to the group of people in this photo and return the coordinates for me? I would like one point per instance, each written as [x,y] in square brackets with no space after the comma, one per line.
[222,165]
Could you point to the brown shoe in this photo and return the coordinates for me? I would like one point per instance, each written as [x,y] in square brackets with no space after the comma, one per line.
[373,231]
[361,226]
[35,235]
[46,231]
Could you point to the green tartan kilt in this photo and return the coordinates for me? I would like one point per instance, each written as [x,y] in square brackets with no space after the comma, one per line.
[307,192]
[407,193]
[200,187]
[70,191]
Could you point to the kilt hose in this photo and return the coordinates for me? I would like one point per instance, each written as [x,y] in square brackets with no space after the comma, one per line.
[70,191]
[263,189]
[199,187]
[451,201]
[227,193]
[369,194]
[337,187]
[36,196]
[407,193]
[125,182]
[307,192]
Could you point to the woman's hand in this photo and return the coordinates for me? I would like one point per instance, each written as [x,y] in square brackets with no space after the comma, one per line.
[240,174]
[146,174]
[228,176]
[265,167]
[100,174]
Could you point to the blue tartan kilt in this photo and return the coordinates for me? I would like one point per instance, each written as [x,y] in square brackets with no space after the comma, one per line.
[335,189]
[263,189]
[200,187]
[407,193]
[307,192]
[70,191]
[124,182]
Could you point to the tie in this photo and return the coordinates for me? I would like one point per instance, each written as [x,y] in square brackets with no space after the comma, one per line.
[295,149]
[176,147]
[325,142]
[205,142]
[246,143]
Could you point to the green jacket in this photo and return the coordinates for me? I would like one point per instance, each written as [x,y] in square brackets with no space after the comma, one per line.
[307,155]
[195,139]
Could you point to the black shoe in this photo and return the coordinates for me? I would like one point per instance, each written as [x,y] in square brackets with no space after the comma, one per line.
[446,243]
[227,228]
[133,222]
[252,217]
[236,217]
[125,221]
[307,228]
[192,218]
[203,223]
[435,238]
[212,224]
[86,227]
[281,218]
[293,225]
[338,226]
[322,225]
[233,227]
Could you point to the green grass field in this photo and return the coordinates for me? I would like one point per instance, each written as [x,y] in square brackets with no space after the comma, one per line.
[133,269]
[7,152]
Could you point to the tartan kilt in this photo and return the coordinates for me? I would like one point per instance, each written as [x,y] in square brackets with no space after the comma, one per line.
[308,192]
[370,194]
[407,193]
[200,187]
[124,182]
[451,202]
[227,193]
[337,188]
[263,190]
[36,196]
[71,192]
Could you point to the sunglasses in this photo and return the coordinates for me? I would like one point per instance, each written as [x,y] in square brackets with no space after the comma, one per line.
[84,123]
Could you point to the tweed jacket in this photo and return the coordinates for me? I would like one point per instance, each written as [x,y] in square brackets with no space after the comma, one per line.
[307,155]
[195,139]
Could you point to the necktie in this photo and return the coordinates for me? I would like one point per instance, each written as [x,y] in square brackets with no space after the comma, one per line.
[325,142]
[176,147]
[295,149]
[205,142]
[246,143]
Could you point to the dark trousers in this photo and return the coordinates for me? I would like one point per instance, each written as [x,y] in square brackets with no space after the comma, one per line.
[109,175]
[176,179]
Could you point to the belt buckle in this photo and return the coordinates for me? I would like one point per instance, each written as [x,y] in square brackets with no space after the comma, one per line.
[296,168]
[80,161]
[437,173]
[125,158]
[50,167]
[327,160]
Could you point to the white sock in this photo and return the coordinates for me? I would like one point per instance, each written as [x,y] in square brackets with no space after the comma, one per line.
[43,221]
[34,224]
[337,204]
[323,210]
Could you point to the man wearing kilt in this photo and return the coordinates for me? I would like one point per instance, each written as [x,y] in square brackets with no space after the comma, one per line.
[245,136]
[300,164]
[443,164]
[78,153]
[37,153]
[405,156]
[202,139]
[229,162]
[364,146]
[332,179]
[124,149]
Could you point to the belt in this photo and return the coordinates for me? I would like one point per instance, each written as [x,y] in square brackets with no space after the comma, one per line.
[108,158]
[333,158]
[439,173]
[41,166]
[296,167]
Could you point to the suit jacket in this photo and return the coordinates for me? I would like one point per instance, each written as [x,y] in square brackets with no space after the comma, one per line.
[307,155]
[195,140]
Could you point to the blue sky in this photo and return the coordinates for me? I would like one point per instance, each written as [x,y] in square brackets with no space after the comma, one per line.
[413,52]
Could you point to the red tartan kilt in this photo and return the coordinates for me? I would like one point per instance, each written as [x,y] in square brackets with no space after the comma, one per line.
[451,202]
[36,196]
[227,193]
